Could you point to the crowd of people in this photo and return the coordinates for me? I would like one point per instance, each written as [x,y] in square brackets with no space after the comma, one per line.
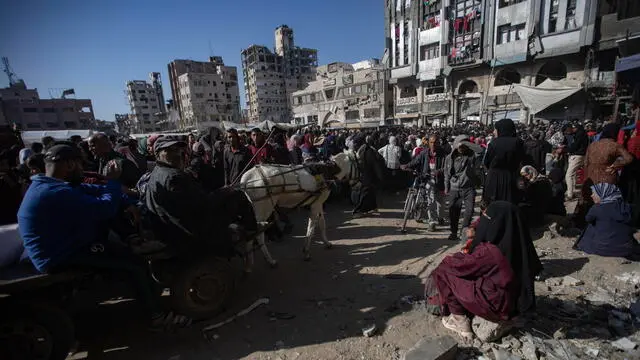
[70,198]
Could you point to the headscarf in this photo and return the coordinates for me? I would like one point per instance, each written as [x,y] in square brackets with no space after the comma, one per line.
[504,227]
[24,154]
[530,171]
[142,146]
[506,127]
[608,193]
[610,131]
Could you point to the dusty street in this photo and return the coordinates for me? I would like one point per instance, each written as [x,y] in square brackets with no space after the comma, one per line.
[318,309]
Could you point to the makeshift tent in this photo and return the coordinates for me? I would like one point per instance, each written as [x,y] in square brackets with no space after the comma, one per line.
[546,94]
[29,137]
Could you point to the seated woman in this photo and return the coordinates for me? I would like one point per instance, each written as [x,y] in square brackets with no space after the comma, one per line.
[609,231]
[494,280]
[537,195]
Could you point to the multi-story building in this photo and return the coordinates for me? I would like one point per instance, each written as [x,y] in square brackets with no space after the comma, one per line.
[146,103]
[416,34]
[459,60]
[24,108]
[617,40]
[271,77]
[123,125]
[227,75]
[206,99]
[343,95]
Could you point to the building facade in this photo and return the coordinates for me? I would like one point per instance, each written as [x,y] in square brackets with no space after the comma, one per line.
[470,60]
[24,108]
[204,92]
[146,106]
[344,95]
[271,77]
[123,124]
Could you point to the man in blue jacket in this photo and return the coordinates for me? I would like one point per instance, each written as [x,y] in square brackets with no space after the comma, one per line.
[64,223]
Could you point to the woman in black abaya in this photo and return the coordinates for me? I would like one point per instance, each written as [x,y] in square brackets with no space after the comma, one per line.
[502,160]
[370,176]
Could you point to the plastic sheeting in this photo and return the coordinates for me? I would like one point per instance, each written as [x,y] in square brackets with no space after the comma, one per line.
[264,125]
[29,137]
[546,94]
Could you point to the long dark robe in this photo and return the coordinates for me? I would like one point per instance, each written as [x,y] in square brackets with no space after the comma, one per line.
[504,226]
[481,283]
[503,159]
[536,152]
[536,201]
[371,174]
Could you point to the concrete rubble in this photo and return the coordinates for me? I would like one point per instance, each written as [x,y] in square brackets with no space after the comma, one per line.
[438,348]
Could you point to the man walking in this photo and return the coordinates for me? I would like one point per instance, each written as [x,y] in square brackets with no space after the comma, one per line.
[430,164]
[576,148]
[460,180]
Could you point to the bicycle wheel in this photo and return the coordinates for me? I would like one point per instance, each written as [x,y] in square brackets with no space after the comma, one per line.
[409,205]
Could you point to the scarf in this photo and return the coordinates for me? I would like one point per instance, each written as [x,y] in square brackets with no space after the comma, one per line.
[530,171]
[608,193]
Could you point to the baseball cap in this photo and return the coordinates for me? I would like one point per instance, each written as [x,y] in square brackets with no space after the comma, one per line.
[167,142]
[62,152]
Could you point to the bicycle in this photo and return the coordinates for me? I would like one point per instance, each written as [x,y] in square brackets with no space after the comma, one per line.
[415,205]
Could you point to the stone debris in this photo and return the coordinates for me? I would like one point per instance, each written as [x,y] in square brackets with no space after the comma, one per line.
[488,331]
[571,281]
[438,348]
[592,352]
[369,331]
[529,350]
[504,355]
[600,297]
[624,344]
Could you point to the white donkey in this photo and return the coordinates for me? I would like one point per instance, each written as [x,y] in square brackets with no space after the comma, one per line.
[291,186]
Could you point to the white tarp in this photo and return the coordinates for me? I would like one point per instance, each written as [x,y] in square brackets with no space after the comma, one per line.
[29,137]
[264,126]
[546,94]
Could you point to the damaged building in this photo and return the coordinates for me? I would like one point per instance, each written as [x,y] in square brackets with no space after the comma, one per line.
[344,95]
[485,60]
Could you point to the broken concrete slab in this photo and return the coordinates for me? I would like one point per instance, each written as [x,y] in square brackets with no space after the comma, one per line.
[488,331]
[624,344]
[439,348]
[529,350]
[504,355]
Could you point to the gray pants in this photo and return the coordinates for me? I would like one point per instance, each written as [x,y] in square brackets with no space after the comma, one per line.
[458,198]
[434,203]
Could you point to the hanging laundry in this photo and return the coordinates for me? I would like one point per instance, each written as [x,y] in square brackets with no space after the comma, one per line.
[454,52]
[456,24]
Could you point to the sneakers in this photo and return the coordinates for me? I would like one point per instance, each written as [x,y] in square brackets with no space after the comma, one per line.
[168,321]
[459,324]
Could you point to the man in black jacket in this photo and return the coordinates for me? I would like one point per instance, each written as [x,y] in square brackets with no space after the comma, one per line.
[237,158]
[576,149]
[185,215]
[430,165]
[102,149]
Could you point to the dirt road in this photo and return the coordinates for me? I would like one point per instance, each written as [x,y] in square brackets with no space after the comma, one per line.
[318,309]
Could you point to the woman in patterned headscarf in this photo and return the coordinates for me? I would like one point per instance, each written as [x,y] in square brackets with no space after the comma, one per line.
[609,232]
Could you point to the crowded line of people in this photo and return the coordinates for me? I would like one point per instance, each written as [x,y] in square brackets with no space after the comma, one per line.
[67,197]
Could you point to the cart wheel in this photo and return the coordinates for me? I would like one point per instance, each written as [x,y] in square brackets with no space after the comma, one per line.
[36,331]
[202,289]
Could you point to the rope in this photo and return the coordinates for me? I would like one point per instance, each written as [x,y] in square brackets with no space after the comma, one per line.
[266,142]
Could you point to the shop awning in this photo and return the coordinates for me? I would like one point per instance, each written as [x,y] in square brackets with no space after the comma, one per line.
[546,94]
[407,116]
[628,63]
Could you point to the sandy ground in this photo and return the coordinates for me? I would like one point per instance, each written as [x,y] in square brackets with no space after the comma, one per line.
[343,290]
